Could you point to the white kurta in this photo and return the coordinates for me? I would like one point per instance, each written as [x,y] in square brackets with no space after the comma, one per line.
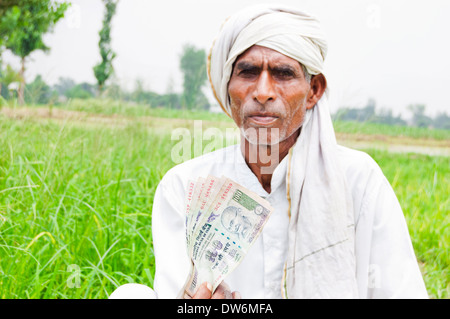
[385,260]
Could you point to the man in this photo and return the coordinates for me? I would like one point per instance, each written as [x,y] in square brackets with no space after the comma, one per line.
[337,230]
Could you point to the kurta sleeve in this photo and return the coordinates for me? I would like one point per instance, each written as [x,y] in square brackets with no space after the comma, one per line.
[387,265]
[169,242]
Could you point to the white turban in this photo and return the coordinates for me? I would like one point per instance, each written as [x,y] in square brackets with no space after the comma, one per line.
[321,259]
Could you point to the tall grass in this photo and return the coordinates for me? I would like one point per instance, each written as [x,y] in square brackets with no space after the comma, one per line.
[76,197]
[422,186]
[79,197]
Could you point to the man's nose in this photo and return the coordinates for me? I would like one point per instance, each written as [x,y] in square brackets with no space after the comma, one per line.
[264,90]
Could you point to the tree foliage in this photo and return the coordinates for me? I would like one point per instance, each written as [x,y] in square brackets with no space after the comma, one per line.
[23,26]
[193,67]
[419,118]
[368,114]
[7,4]
[442,121]
[9,14]
[39,92]
[32,20]
[104,69]
[7,76]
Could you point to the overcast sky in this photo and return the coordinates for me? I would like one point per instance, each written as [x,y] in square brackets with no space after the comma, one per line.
[395,51]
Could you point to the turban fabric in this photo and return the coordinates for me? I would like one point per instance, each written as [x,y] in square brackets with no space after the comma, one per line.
[321,259]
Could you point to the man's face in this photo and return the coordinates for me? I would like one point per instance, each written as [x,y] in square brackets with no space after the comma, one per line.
[268,93]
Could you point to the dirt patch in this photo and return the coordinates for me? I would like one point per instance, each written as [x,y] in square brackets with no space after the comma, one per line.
[81,118]
[385,139]
[395,144]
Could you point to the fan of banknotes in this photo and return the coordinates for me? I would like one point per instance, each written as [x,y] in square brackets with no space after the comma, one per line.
[223,220]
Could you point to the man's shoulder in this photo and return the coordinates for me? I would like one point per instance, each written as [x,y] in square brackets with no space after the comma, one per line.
[361,170]
[364,177]
[355,161]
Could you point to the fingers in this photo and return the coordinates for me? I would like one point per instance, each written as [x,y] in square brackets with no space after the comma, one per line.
[203,292]
[236,295]
[223,291]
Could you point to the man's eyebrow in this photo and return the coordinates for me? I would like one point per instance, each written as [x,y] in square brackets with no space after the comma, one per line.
[285,68]
[245,65]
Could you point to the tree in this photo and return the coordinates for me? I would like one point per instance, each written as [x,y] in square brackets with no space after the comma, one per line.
[357,114]
[385,116]
[368,114]
[9,15]
[71,90]
[39,92]
[5,23]
[442,121]
[7,77]
[419,118]
[80,91]
[64,85]
[32,19]
[104,69]
[193,66]
[7,4]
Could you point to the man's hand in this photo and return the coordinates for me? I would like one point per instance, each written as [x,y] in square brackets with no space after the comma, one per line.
[222,292]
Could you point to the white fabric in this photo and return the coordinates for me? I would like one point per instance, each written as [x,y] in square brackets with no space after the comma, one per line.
[321,258]
[386,266]
[133,291]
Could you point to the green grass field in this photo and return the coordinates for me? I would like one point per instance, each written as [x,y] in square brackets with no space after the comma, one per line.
[76,202]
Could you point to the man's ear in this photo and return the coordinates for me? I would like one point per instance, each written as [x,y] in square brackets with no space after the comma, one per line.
[318,87]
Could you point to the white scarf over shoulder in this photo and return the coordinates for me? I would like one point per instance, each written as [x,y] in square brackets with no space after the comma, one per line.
[321,260]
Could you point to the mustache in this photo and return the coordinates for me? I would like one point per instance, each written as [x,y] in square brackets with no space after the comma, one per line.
[268,109]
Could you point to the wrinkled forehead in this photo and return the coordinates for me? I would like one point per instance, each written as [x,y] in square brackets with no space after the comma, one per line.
[257,55]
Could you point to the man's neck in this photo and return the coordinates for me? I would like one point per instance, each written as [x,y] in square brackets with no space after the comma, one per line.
[263,159]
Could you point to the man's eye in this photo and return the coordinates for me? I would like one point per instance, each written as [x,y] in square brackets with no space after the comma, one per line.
[284,74]
[248,72]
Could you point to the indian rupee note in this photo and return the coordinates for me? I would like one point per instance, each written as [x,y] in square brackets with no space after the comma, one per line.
[188,202]
[195,198]
[210,191]
[231,225]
